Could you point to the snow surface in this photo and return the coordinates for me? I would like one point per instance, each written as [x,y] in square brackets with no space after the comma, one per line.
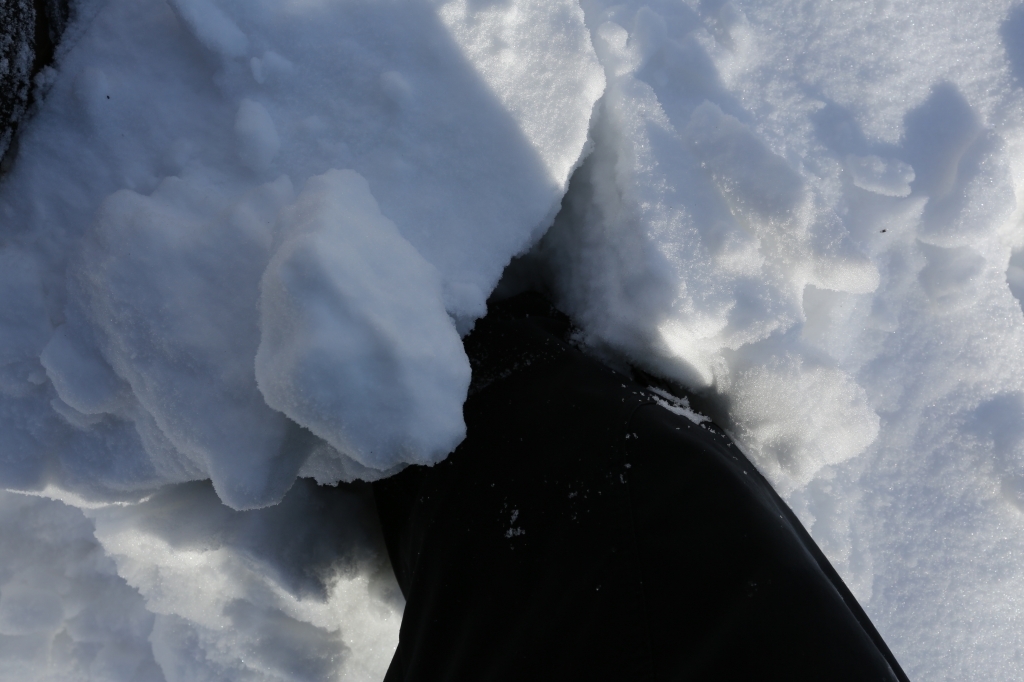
[241,239]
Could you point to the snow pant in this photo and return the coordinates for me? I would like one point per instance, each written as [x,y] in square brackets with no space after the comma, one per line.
[583,531]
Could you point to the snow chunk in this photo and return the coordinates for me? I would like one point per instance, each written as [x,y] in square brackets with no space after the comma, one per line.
[675,405]
[872,173]
[82,378]
[749,175]
[512,45]
[258,142]
[270,68]
[212,27]
[356,344]
[794,419]
[171,283]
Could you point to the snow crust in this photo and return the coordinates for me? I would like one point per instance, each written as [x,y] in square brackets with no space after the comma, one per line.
[241,239]
[183,150]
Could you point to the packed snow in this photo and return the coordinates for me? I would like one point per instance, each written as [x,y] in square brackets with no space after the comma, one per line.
[241,239]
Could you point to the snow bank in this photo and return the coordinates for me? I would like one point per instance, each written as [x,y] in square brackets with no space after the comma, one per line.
[150,204]
[239,243]
[298,591]
[241,240]
[690,243]
[182,588]
[810,214]
[65,614]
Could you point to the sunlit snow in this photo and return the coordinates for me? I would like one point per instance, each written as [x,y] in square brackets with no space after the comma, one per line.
[241,240]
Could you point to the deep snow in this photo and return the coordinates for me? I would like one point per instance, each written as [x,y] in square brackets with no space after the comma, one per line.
[241,239]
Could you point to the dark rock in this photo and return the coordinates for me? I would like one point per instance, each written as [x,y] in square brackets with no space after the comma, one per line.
[17,57]
[29,33]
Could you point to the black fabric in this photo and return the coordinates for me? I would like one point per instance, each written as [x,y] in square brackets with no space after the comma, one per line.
[584,532]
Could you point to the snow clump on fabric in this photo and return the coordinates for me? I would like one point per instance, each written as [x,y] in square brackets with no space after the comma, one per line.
[355,342]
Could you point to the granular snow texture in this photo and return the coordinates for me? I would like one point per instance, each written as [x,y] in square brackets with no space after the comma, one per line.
[242,238]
